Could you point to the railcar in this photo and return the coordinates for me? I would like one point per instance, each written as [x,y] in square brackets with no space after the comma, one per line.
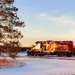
[49,47]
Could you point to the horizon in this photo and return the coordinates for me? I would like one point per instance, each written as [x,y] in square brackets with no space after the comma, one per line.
[46,20]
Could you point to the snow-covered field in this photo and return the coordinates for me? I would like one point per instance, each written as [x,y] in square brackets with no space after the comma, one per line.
[47,65]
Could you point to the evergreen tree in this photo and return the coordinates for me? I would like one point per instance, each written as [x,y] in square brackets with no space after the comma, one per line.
[9,22]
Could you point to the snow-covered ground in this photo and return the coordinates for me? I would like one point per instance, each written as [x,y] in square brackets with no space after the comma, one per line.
[47,65]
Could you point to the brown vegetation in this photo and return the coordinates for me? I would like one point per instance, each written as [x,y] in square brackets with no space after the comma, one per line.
[5,63]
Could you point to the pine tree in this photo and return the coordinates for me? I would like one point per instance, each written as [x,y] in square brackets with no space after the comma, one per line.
[9,22]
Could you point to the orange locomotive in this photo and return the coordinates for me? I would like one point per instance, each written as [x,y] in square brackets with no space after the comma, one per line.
[60,48]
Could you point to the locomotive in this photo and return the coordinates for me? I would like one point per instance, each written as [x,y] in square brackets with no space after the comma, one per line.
[50,47]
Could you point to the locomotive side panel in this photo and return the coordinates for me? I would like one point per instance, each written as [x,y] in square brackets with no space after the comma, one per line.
[52,47]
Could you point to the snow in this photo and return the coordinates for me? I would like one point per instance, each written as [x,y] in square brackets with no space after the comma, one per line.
[47,65]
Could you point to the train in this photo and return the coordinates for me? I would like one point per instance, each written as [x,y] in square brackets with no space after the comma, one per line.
[50,47]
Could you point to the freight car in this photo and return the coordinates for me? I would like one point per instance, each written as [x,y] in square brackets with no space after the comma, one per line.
[59,48]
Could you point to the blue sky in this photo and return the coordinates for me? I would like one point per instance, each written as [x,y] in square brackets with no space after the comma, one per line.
[46,20]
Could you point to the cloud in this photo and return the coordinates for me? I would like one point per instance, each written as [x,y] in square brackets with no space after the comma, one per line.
[73,31]
[64,19]
[55,11]
[43,14]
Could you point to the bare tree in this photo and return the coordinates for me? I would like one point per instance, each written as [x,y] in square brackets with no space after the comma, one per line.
[9,23]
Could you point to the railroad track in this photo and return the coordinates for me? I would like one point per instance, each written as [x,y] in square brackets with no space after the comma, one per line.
[53,57]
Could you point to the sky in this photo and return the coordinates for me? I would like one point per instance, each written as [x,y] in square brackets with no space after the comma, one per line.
[46,20]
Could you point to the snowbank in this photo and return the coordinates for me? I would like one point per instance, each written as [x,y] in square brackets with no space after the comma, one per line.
[43,66]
